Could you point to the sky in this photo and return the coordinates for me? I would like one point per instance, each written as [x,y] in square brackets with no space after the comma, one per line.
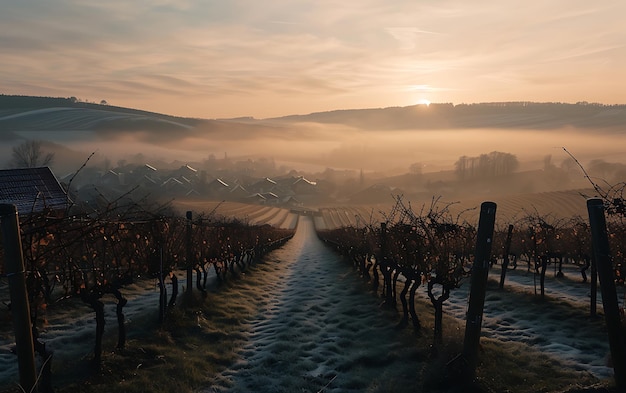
[231,58]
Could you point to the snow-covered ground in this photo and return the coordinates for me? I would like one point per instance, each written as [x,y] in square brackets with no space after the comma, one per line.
[318,329]
[560,326]
[69,328]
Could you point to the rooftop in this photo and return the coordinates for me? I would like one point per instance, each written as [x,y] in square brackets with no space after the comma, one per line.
[32,190]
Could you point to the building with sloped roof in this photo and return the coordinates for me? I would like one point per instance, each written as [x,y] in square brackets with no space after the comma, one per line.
[217,189]
[302,186]
[32,190]
[264,185]
[237,192]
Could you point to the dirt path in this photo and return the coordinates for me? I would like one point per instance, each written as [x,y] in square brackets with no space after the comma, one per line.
[318,330]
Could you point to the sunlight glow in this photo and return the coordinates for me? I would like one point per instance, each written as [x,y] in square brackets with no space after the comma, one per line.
[423,101]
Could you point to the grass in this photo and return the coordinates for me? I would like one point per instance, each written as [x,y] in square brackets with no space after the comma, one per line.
[181,355]
[507,366]
[516,368]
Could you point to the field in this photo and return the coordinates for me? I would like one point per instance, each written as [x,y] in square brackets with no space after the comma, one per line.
[555,204]
[252,214]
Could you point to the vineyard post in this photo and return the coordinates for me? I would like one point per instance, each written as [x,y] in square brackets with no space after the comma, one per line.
[20,308]
[600,241]
[594,286]
[189,256]
[162,288]
[478,288]
[383,239]
[505,260]
[384,265]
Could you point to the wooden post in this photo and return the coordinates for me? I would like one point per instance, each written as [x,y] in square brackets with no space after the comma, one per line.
[600,240]
[20,308]
[383,240]
[542,277]
[505,260]
[480,271]
[384,266]
[189,257]
[593,291]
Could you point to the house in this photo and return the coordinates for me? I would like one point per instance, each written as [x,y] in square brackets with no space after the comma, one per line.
[185,171]
[32,190]
[174,186]
[264,185]
[302,186]
[237,192]
[217,189]
[290,201]
[270,198]
[146,174]
[111,178]
[256,198]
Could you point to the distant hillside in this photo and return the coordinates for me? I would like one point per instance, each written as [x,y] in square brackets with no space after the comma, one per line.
[522,115]
[24,113]
[386,140]
[27,113]
[17,104]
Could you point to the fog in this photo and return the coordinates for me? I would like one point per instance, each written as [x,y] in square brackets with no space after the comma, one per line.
[341,146]
[309,146]
[315,147]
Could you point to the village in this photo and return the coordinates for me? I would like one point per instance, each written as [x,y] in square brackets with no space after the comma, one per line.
[145,180]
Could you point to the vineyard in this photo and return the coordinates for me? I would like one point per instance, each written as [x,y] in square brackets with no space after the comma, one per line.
[92,258]
[555,205]
[115,264]
[431,252]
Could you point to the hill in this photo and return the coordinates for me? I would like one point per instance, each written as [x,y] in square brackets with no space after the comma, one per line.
[28,112]
[24,113]
[381,142]
[517,115]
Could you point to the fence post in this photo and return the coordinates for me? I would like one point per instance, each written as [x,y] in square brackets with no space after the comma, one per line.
[594,287]
[20,308]
[480,272]
[384,266]
[600,241]
[507,250]
[189,257]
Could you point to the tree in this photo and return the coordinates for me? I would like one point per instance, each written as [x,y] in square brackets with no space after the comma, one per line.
[416,168]
[461,167]
[485,165]
[29,154]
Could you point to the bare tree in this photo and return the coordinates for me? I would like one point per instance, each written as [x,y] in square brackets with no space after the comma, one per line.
[29,154]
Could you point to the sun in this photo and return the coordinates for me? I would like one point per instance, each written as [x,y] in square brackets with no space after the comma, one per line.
[423,101]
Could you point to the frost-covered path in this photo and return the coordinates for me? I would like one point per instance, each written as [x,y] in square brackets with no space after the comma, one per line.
[317,329]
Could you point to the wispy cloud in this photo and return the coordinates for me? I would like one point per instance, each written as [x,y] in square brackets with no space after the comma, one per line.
[236,57]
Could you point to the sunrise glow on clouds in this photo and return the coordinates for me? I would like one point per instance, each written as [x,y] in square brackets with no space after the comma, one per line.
[223,58]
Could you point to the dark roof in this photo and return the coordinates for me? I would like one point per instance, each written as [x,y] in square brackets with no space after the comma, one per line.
[31,190]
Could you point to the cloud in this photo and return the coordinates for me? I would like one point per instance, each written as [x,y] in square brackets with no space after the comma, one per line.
[304,52]
[407,37]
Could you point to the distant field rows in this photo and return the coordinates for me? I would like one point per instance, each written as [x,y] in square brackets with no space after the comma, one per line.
[554,205]
[253,214]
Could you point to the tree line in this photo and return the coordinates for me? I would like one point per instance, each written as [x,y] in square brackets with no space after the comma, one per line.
[485,165]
